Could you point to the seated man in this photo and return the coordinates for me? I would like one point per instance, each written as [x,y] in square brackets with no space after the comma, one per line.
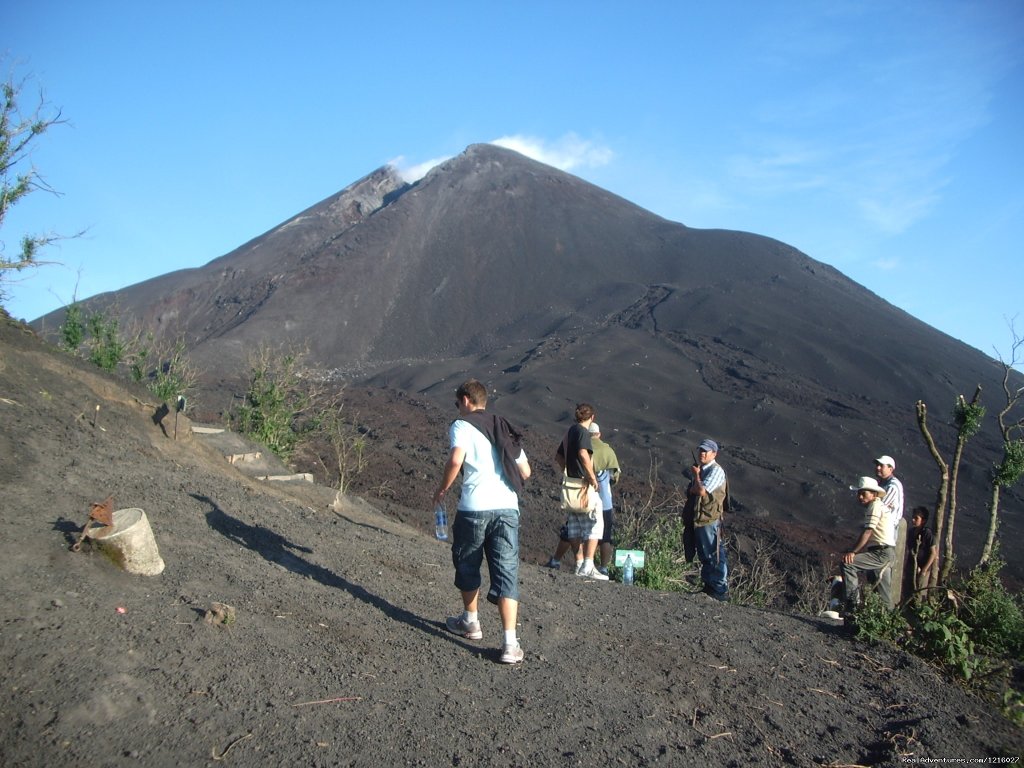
[873,548]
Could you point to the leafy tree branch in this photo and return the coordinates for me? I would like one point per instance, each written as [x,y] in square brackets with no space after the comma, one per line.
[20,130]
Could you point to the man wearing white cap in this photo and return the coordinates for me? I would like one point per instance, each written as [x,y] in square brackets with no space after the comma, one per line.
[873,549]
[885,468]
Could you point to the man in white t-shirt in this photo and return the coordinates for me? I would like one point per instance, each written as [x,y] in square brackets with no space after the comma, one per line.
[485,448]
[885,471]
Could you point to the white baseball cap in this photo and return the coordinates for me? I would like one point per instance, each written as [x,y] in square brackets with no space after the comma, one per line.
[887,461]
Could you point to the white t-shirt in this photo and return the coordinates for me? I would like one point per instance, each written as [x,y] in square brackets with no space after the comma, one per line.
[483,484]
[893,499]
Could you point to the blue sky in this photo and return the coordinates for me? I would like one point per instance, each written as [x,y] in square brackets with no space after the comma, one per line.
[885,139]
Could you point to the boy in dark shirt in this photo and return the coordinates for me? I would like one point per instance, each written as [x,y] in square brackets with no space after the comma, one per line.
[922,552]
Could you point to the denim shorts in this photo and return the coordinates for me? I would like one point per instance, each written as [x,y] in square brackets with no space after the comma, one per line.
[493,534]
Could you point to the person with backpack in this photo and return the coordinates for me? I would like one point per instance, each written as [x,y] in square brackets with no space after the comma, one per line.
[487,450]
[580,498]
[606,467]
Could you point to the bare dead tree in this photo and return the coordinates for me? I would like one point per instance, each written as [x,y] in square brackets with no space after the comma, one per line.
[1010,469]
[967,420]
[755,577]
[943,487]
[346,441]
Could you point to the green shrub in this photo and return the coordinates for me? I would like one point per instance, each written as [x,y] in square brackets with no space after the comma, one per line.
[1013,706]
[138,363]
[164,367]
[875,621]
[274,401]
[72,330]
[940,634]
[106,347]
[994,616]
[665,567]
[1008,472]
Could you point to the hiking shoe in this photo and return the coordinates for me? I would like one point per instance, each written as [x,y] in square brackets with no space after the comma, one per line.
[603,571]
[553,564]
[592,573]
[512,654]
[468,629]
[722,597]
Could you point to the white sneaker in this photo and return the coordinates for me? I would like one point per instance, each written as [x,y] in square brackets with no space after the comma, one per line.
[512,654]
[591,573]
[467,629]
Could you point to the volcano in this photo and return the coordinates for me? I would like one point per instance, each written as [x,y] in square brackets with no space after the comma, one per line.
[554,291]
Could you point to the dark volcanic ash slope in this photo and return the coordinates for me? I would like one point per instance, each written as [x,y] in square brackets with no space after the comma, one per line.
[554,290]
[492,249]
[338,655]
[222,307]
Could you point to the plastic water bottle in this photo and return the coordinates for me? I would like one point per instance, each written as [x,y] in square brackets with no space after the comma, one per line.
[441,522]
[627,570]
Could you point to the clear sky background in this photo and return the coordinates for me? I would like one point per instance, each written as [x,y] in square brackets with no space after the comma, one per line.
[885,139]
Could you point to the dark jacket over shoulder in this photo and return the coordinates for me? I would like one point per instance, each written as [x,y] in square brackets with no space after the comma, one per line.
[507,439]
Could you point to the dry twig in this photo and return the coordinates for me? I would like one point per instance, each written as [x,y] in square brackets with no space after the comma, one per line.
[827,693]
[329,701]
[213,750]
[878,665]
